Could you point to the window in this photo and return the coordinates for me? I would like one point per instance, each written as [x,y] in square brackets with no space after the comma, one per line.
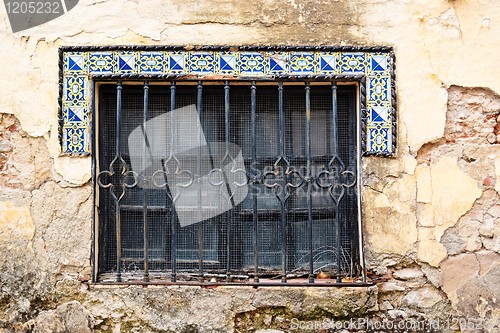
[236,182]
[233,165]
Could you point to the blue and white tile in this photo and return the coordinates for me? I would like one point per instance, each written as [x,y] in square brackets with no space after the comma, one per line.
[101,62]
[75,62]
[75,140]
[251,63]
[378,88]
[353,62]
[302,63]
[176,62]
[278,63]
[227,63]
[328,62]
[379,114]
[379,62]
[75,113]
[75,88]
[151,62]
[379,139]
[202,62]
[125,62]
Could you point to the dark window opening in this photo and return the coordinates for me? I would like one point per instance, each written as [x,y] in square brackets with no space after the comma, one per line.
[227,182]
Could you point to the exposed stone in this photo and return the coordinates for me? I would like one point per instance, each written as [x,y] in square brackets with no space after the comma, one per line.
[386,305]
[431,252]
[391,286]
[456,272]
[425,297]
[453,193]
[408,273]
[453,241]
[497,174]
[69,317]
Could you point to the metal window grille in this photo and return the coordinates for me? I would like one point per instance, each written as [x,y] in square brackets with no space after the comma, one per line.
[227,183]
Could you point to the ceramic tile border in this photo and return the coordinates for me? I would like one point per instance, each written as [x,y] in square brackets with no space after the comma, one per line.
[373,67]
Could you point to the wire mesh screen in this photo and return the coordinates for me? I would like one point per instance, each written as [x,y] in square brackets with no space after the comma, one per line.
[238,182]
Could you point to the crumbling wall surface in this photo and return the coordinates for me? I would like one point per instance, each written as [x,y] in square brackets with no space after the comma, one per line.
[431,214]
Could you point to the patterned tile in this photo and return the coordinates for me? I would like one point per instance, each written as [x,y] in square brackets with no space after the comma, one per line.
[227,63]
[302,63]
[75,88]
[176,62]
[76,62]
[101,62]
[278,63]
[378,63]
[251,63]
[125,62]
[77,65]
[75,113]
[378,114]
[202,62]
[75,140]
[151,62]
[379,139]
[328,62]
[378,88]
[353,62]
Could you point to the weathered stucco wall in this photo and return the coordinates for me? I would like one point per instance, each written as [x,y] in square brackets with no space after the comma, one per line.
[431,214]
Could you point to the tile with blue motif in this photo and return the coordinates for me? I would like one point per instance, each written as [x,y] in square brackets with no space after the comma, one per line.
[251,63]
[302,63]
[378,88]
[278,62]
[151,62]
[75,113]
[353,62]
[125,62]
[379,139]
[75,62]
[328,62]
[75,140]
[379,114]
[101,62]
[379,63]
[75,88]
[227,63]
[176,62]
[201,62]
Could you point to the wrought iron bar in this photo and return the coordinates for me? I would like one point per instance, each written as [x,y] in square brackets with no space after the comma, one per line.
[281,150]
[228,188]
[253,98]
[200,137]
[334,146]
[173,241]
[146,148]
[309,182]
[116,197]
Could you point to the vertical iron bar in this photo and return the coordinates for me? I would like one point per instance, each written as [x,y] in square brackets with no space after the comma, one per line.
[173,241]
[144,191]
[94,261]
[309,182]
[281,149]
[336,174]
[200,225]
[253,93]
[117,201]
[228,212]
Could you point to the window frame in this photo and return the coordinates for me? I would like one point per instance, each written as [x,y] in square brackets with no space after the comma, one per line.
[82,135]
